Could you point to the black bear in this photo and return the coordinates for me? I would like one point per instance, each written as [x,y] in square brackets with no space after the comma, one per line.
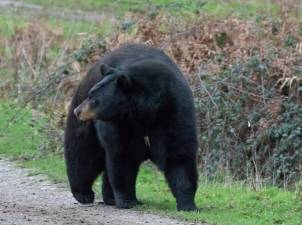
[133,105]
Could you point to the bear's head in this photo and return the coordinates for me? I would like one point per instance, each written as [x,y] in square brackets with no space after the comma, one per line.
[120,95]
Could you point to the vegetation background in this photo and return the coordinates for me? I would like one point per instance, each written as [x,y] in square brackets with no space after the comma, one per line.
[243,60]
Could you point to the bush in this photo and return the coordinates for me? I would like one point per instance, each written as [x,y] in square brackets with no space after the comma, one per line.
[247,128]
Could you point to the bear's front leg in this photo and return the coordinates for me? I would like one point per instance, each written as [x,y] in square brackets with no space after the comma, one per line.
[84,156]
[81,178]
[81,175]
[122,172]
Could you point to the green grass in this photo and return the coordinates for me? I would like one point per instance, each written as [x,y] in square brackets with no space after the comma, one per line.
[105,5]
[237,8]
[51,165]
[223,204]
[22,139]
[233,204]
[10,22]
[214,7]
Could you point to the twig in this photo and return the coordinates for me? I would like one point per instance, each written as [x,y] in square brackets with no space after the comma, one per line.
[263,89]
[28,63]
[204,87]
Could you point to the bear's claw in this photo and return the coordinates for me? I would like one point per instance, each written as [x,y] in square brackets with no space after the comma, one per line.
[84,198]
[126,204]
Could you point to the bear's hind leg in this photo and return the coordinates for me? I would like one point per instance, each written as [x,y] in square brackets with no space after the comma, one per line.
[107,192]
[122,176]
[181,175]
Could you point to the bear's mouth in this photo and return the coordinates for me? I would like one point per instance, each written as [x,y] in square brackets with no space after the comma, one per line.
[84,112]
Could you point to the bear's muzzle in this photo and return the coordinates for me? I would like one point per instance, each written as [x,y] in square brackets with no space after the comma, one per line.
[84,112]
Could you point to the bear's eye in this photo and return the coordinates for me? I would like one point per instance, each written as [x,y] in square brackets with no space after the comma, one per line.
[93,102]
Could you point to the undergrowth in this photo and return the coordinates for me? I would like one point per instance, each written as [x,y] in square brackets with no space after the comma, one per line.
[249,130]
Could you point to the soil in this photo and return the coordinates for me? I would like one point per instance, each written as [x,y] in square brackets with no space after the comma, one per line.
[27,199]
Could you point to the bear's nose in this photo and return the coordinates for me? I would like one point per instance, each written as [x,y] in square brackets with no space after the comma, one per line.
[77,112]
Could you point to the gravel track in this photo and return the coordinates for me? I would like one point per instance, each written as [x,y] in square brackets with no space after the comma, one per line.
[27,200]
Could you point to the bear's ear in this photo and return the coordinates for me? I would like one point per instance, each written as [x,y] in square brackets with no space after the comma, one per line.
[124,82]
[106,69]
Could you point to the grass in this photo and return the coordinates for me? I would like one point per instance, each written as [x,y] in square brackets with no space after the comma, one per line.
[10,22]
[213,7]
[222,204]
[243,9]
[24,141]
[232,204]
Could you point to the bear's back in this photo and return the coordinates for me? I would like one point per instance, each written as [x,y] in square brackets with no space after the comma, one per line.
[131,53]
[122,58]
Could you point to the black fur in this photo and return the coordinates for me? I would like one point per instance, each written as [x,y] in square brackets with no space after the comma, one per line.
[144,110]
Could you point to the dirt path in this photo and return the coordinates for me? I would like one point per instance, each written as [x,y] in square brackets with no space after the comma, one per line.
[34,200]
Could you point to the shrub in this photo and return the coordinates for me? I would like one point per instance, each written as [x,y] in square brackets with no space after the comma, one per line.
[247,128]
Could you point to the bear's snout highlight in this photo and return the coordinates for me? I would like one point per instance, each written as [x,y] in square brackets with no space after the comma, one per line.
[84,112]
